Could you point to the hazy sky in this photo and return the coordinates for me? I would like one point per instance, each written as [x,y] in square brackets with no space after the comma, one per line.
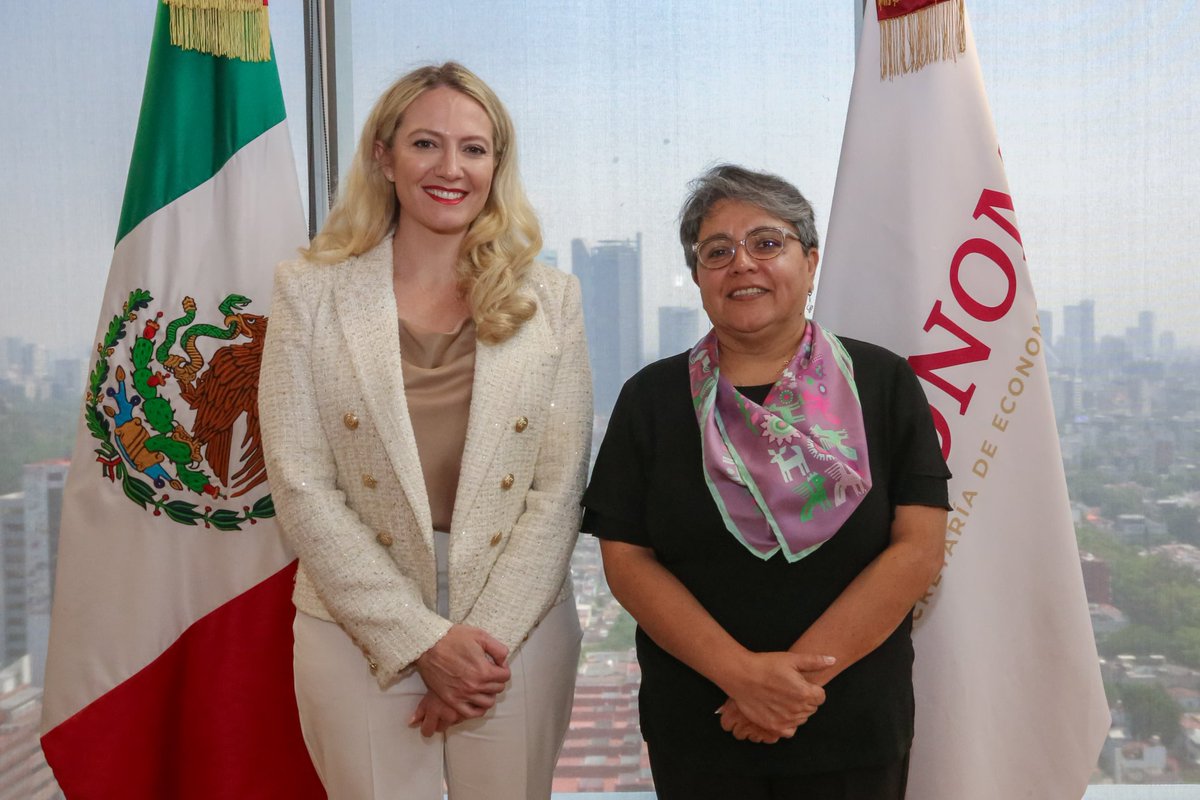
[618,104]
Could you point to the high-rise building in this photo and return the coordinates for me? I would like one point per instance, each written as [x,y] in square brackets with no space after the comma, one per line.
[1097,578]
[1046,323]
[1141,345]
[29,527]
[67,378]
[11,349]
[1079,336]
[1166,346]
[678,329]
[1114,351]
[14,641]
[610,273]
[33,360]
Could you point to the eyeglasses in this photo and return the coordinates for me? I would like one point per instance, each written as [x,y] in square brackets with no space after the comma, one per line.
[762,244]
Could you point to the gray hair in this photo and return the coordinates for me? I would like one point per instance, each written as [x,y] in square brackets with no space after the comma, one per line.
[729,182]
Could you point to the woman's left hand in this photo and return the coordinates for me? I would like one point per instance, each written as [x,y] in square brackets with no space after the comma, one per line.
[466,669]
[433,715]
[734,721]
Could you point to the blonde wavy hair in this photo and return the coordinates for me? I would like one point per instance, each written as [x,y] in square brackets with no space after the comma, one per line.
[500,244]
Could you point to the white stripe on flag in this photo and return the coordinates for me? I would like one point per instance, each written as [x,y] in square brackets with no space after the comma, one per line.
[128,582]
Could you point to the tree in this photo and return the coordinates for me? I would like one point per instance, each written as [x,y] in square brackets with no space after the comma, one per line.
[1135,640]
[1152,712]
[34,431]
[1160,598]
[1122,499]
[1103,544]
[1185,646]
[1183,522]
[1086,487]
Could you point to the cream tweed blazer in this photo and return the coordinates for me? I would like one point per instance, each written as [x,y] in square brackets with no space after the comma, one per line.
[347,481]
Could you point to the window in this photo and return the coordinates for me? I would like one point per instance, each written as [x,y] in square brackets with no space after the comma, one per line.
[617,106]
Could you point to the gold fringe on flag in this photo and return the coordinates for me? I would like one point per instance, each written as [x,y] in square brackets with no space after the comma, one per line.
[231,28]
[909,42]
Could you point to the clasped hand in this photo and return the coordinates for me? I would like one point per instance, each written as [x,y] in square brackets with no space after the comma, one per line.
[772,696]
[464,671]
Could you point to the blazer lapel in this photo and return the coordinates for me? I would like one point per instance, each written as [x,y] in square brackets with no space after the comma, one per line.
[499,372]
[366,307]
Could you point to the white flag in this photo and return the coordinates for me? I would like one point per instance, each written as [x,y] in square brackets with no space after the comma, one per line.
[924,256]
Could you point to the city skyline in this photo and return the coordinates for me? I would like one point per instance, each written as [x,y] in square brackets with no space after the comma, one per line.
[1065,329]
[1119,416]
[679,327]
[613,122]
[617,106]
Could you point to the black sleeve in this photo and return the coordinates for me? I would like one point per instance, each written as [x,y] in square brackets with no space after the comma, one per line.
[615,499]
[919,473]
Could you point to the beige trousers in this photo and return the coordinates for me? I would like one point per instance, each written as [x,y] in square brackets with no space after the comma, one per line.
[363,749]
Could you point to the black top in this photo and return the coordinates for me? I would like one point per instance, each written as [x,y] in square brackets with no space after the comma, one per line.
[648,489]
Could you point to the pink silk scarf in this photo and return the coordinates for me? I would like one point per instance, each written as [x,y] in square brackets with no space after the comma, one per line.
[787,474]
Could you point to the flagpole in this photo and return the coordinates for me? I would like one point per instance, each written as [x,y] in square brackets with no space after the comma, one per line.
[860,8]
[325,104]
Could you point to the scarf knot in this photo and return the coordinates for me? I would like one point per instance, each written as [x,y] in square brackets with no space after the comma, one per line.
[786,474]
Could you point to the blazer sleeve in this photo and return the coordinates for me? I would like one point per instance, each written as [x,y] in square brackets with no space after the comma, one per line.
[527,577]
[378,606]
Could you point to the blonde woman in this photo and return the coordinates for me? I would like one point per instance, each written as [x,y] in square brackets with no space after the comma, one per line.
[426,414]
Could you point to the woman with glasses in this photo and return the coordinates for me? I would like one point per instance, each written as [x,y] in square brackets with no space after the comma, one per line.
[770,506]
[426,414]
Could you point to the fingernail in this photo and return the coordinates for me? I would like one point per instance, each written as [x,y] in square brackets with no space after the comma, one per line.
[718,711]
[828,659]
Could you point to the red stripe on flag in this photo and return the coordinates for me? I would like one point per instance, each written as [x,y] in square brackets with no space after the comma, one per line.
[214,716]
[891,9]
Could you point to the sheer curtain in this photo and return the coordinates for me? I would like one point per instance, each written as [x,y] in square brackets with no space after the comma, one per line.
[617,106]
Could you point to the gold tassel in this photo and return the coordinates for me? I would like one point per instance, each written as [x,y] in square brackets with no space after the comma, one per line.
[909,43]
[232,28]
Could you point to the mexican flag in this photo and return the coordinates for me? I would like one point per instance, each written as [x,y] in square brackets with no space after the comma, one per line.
[924,256]
[169,672]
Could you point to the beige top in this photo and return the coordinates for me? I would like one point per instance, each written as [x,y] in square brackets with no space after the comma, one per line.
[438,371]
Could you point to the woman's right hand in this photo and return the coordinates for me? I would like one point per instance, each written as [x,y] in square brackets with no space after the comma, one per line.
[774,694]
[433,715]
[734,722]
[466,669]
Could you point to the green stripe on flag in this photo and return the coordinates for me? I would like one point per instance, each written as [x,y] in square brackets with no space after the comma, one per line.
[197,111]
